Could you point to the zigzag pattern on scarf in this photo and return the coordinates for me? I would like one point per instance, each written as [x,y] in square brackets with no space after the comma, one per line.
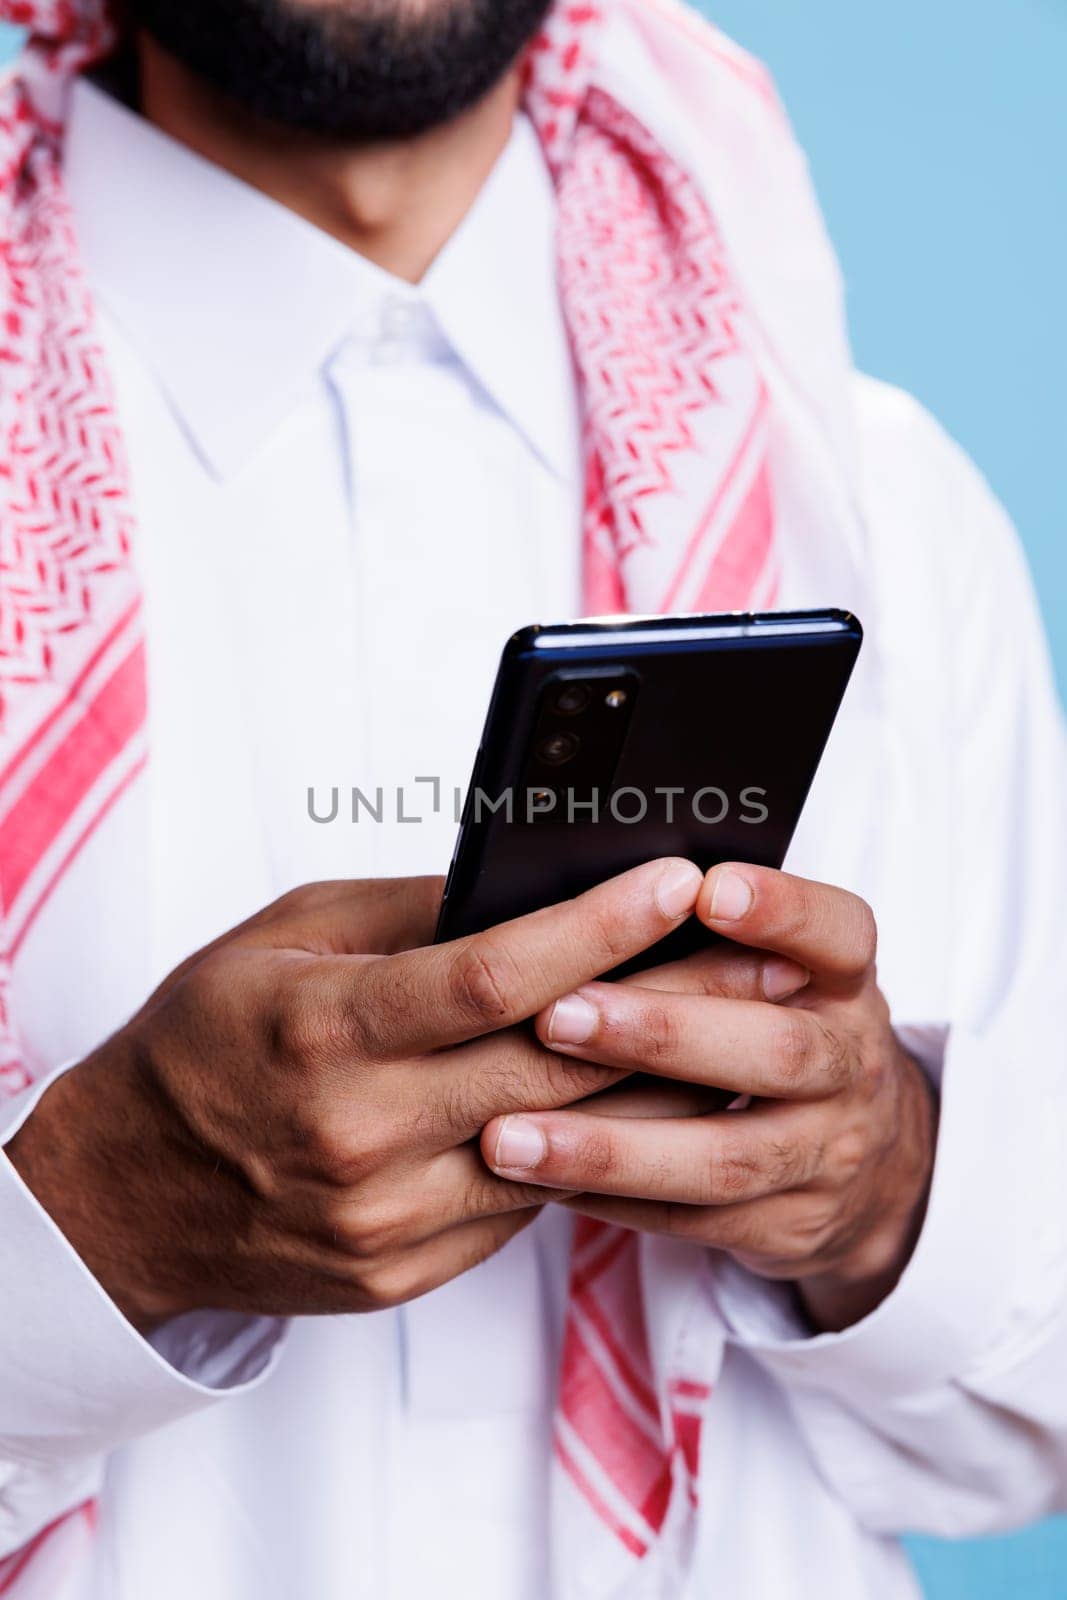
[648,325]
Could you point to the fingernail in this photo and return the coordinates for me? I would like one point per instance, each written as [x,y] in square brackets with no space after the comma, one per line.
[520,1145]
[572,1021]
[677,889]
[783,978]
[731,898]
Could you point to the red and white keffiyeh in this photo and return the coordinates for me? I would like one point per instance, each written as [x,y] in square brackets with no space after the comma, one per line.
[678,516]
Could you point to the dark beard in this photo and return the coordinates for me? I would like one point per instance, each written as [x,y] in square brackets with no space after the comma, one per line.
[356,70]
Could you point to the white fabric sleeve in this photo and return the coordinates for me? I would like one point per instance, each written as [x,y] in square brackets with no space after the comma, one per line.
[945,1410]
[76,1379]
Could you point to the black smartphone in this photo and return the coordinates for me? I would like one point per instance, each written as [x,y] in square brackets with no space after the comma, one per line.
[610,743]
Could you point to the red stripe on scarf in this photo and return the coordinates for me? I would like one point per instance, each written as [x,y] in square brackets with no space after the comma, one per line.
[53,795]
[626,1536]
[741,557]
[74,851]
[633,1461]
[70,696]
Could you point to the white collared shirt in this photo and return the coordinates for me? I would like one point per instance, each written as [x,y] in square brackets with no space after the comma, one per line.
[349,492]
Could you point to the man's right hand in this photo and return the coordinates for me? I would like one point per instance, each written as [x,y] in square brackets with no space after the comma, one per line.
[290,1124]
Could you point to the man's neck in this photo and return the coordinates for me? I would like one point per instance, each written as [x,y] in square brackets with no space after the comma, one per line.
[396,204]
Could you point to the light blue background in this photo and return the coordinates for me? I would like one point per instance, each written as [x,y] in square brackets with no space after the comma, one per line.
[937,134]
[937,131]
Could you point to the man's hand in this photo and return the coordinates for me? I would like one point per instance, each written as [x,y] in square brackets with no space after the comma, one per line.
[823,1178]
[290,1123]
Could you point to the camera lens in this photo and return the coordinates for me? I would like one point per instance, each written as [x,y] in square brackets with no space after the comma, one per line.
[558,748]
[572,698]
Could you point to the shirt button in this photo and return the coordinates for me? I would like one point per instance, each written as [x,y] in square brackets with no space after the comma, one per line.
[387,352]
[398,318]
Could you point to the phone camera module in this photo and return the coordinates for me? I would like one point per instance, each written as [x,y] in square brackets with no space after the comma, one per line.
[572,699]
[558,748]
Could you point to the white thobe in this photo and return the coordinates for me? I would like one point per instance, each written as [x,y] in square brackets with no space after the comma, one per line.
[350,491]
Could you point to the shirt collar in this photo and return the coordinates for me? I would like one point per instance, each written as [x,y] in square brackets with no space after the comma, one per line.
[238,304]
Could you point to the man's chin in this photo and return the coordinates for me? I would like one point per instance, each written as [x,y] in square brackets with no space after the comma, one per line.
[351,69]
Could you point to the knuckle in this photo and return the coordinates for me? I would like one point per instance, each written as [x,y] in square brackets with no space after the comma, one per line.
[794,911]
[518,1079]
[786,1164]
[740,1231]
[804,1237]
[488,1197]
[835,1053]
[562,1079]
[850,1155]
[297,1026]
[482,1197]
[793,1048]
[483,983]
[375,1230]
[603,935]
[369,1020]
[662,1175]
[291,1034]
[465,1104]
[595,1156]
[732,1172]
[337,1031]
[657,1035]
[792,1251]
[772,1252]
[875,1064]
[298,902]
[437,1115]
[706,1187]
[754,1247]
[515,1079]
[210,993]
[382,1285]
[331,1150]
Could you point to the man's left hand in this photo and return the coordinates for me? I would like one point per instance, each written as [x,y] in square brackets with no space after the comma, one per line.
[822,1177]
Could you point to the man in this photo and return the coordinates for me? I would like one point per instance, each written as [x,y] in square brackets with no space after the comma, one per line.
[381,300]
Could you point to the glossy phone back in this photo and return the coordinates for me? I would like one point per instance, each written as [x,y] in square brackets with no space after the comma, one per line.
[612,743]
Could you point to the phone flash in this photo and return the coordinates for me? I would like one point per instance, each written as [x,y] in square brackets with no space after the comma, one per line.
[615,699]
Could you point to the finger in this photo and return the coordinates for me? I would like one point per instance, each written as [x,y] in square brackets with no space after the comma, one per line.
[727,973]
[776,1052]
[444,1100]
[368,916]
[424,999]
[783,1236]
[698,1161]
[412,1273]
[641,1096]
[376,916]
[450,1098]
[420,1201]
[821,927]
